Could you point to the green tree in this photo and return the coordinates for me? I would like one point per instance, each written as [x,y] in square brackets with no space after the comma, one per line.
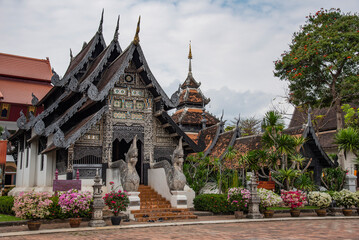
[322,63]
[248,126]
[280,153]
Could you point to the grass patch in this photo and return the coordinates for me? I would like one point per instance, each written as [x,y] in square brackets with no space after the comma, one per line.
[8,218]
[287,208]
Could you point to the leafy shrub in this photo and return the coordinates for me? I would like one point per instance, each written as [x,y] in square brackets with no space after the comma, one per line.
[116,201]
[294,199]
[216,203]
[333,178]
[55,209]
[320,199]
[32,205]
[6,205]
[345,198]
[268,198]
[238,198]
[76,204]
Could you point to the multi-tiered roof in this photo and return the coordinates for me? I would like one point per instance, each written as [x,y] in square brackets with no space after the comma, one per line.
[191,115]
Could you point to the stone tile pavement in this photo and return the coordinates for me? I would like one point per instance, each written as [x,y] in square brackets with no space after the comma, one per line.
[215,227]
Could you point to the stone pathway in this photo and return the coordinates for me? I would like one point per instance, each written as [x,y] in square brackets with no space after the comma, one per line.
[280,228]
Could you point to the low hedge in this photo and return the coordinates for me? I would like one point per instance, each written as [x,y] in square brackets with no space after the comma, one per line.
[6,204]
[216,203]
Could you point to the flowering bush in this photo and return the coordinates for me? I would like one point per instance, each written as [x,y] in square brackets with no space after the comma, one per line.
[238,198]
[345,198]
[75,203]
[32,205]
[116,201]
[357,196]
[268,198]
[319,199]
[293,199]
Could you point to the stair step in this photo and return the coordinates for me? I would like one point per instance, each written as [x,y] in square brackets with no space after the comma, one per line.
[154,207]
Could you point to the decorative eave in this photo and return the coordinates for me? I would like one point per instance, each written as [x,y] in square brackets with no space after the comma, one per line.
[62,140]
[101,64]
[214,141]
[179,132]
[308,133]
[126,56]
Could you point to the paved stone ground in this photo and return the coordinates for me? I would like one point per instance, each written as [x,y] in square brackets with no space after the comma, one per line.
[299,229]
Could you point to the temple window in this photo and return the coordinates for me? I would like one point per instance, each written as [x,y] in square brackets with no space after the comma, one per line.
[5,110]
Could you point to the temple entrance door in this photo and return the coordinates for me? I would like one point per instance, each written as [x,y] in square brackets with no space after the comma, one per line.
[119,148]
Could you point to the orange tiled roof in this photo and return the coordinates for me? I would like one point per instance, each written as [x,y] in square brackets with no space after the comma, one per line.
[193,116]
[25,67]
[20,91]
[193,136]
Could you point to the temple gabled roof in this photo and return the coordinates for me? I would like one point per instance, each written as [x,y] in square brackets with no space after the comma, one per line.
[26,68]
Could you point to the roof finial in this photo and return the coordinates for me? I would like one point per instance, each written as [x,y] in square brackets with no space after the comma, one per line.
[115,36]
[309,123]
[136,39]
[71,56]
[190,58]
[101,22]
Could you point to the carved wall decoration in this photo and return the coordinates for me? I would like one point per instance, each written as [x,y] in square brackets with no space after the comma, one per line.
[128,133]
[21,121]
[80,152]
[39,127]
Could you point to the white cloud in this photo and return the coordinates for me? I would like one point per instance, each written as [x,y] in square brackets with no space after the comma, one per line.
[234,43]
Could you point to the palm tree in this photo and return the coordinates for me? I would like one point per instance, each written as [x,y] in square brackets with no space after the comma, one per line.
[348,140]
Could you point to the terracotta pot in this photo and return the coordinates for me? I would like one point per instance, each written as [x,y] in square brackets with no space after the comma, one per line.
[33,225]
[116,220]
[321,212]
[268,213]
[295,212]
[238,214]
[75,222]
[347,212]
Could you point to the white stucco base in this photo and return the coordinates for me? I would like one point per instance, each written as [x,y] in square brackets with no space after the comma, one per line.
[135,204]
[158,181]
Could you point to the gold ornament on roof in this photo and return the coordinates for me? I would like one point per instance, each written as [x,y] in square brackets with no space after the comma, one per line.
[190,51]
[136,39]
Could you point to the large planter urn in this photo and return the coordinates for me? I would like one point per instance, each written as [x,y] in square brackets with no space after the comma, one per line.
[116,220]
[268,213]
[321,212]
[295,212]
[75,222]
[33,225]
[347,212]
[238,214]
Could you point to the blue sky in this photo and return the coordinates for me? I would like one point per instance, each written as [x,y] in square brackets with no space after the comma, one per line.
[234,43]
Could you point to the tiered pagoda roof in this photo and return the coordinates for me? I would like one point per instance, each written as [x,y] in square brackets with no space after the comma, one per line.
[190,114]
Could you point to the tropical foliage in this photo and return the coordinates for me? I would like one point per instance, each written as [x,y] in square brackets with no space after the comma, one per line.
[333,179]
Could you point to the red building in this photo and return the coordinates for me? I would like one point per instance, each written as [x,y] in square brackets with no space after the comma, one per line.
[23,81]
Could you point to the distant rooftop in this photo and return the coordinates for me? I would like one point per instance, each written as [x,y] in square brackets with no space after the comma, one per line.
[25,67]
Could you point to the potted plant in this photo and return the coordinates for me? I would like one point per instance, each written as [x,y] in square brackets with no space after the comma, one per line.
[117,201]
[294,199]
[268,199]
[33,206]
[346,199]
[238,198]
[75,205]
[321,200]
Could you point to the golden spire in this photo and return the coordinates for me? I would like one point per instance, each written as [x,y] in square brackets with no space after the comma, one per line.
[190,52]
[136,39]
[190,58]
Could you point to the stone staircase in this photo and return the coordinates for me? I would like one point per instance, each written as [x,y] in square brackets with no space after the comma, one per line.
[156,208]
